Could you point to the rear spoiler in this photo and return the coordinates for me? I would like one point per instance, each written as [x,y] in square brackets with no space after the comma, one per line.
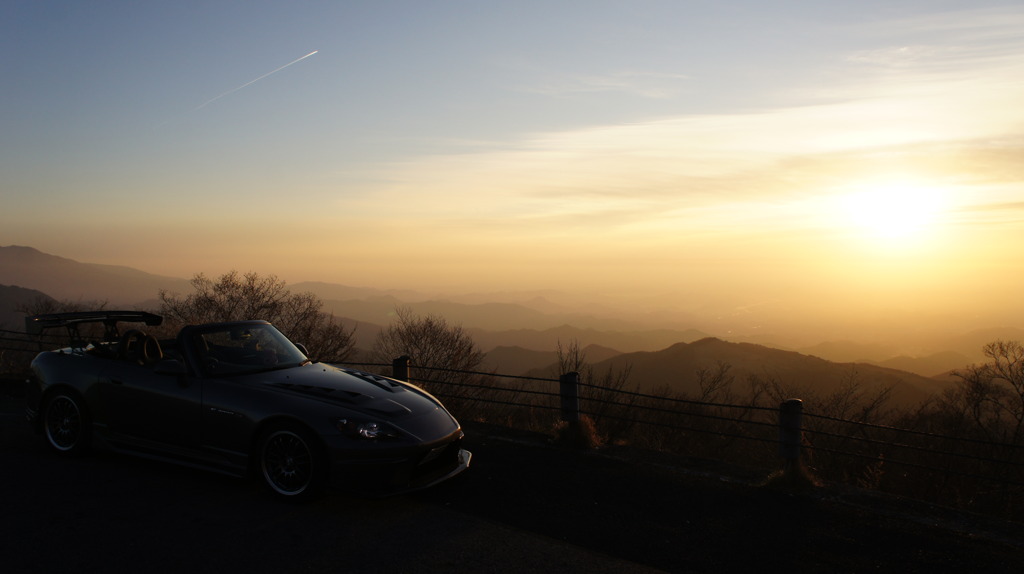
[36,324]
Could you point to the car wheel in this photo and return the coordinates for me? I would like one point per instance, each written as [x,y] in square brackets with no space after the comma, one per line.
[290,463]
[66,424]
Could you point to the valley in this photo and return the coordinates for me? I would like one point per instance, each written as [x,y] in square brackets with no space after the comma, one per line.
[519,332]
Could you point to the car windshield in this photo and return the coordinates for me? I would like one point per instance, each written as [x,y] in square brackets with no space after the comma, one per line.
[245,348]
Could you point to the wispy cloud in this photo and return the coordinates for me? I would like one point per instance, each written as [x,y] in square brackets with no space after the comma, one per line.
[990,213]
[950,41]
[970,24]
[898,56]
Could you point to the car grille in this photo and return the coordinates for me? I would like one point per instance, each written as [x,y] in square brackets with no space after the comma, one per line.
[438,460]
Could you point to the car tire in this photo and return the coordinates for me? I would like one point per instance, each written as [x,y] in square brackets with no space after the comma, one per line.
[66,423]
[290,463]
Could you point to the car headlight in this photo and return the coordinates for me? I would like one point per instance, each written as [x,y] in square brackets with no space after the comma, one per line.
[365,429]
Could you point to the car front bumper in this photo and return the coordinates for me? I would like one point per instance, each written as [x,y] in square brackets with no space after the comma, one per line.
[390,476]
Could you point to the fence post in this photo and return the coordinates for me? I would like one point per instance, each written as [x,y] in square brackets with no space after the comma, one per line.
[569,389]
[400,368]
[790,442]
[790,429]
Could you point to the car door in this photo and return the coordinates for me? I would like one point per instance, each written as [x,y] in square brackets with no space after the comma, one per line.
[231,409]
[143,405]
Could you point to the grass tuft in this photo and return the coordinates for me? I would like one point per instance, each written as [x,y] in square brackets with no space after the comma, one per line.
[793,476]
[581,435]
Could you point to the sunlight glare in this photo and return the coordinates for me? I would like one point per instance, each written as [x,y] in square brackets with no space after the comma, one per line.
[893,210]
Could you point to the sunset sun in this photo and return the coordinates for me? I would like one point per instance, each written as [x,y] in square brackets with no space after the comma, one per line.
[892,211]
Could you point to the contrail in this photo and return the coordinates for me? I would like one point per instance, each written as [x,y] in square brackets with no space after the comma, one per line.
[229,92]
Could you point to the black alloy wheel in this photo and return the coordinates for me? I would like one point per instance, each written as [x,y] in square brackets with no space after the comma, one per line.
[290,464]
[65,424]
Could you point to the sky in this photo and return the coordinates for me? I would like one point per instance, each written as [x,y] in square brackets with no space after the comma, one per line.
[823,162]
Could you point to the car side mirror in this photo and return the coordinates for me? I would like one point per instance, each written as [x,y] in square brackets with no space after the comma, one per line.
[170,367]
[302,348]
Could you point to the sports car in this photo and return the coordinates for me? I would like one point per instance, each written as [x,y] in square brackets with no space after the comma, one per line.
[238,398]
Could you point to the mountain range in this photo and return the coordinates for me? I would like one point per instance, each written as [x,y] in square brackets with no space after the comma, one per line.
[518,331]
[67,279]
[801,376]
[13,298]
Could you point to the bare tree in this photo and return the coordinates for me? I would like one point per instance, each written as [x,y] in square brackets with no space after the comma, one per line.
[46,305]
[989,398]
[443,358]
[571,358]
[715,384]
[233,297]
[430,342]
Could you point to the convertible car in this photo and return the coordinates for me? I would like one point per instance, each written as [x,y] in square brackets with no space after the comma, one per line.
[238,398]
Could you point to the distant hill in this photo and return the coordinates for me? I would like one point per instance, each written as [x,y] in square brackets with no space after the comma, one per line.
[336,292]
[67,279]
[548,339]
[882,355]
[972,343]
[496,316]
[517,361]
[379,307]
[520,361]
[800,374]
[930,366]
[11,298]
[848,351]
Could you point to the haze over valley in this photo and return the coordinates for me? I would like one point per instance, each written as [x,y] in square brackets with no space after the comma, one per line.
[521,331]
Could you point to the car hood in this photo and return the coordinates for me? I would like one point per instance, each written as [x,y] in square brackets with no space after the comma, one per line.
[354,389]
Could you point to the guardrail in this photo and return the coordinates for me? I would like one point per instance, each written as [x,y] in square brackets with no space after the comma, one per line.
[17,341]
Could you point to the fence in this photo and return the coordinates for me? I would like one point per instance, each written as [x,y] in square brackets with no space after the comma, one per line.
[18,347]
[962,471]
[20,341]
